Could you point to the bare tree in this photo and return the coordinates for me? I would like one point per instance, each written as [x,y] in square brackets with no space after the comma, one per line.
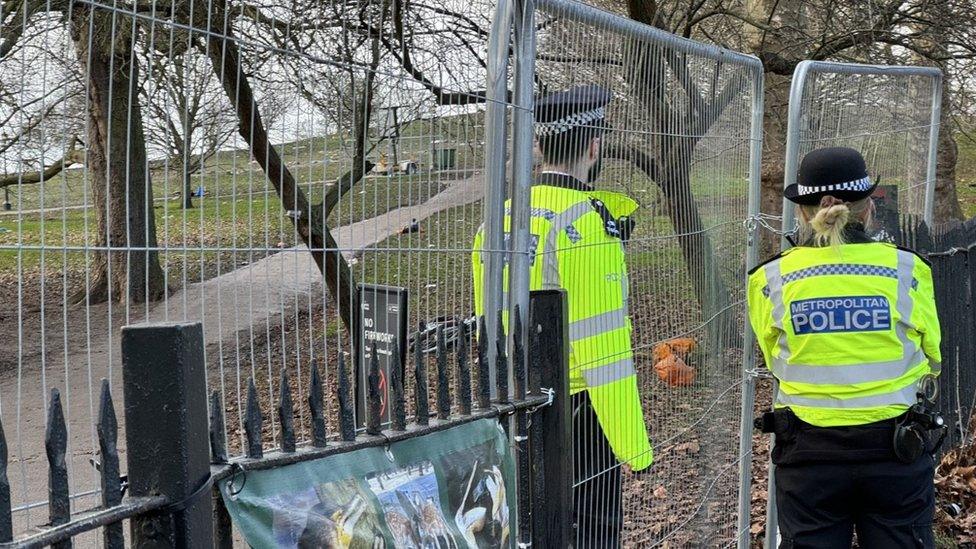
[186,115]
[126,265]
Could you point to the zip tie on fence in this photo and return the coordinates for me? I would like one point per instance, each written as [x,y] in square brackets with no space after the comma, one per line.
[235,470]
[178,506]
[762,220]
[759,373]
[550,398]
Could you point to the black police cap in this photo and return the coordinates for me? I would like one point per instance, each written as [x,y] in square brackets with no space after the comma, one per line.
[836,171]
[579,106]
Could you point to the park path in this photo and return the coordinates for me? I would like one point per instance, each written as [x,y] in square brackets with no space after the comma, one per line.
[226,305]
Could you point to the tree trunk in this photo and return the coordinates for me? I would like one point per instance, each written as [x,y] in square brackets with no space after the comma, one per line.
[310,225]
[946,209]
[120,182]
[775,106]
[185,169]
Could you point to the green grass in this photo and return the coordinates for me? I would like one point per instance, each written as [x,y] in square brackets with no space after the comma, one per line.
[216,221]
[312,161]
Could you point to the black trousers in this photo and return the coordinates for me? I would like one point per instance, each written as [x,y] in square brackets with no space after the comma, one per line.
[597,511]
[888,503]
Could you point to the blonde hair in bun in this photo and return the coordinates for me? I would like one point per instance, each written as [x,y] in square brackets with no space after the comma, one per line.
[828,219]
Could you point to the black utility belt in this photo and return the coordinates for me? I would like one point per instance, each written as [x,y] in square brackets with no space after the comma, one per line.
[904,438]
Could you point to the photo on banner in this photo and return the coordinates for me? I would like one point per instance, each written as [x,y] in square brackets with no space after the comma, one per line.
[447,489]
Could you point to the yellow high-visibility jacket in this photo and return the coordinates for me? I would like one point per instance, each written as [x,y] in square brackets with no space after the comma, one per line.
[574,251]
[848,332]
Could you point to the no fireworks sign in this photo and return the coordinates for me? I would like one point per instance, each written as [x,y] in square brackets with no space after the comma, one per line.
[383,322]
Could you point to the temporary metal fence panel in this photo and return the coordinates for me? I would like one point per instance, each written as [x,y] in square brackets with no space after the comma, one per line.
[685,145]
[890,113]
[247,165]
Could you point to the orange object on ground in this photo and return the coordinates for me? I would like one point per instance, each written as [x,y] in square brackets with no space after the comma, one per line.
[669,361]
[682,346]
[673,371]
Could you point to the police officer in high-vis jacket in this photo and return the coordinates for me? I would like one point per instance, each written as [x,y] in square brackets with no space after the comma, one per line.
[578,234]
[848,327]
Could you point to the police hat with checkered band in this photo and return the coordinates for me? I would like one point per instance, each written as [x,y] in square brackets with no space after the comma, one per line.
[578,107]
[836,171]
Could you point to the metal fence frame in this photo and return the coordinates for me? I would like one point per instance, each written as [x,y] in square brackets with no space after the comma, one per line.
[522,12]
[806,68]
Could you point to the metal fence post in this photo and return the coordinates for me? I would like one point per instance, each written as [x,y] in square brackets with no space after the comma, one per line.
[523,138]
[928,213]
[551,434]
[167,432]
[749,370]
[495,157]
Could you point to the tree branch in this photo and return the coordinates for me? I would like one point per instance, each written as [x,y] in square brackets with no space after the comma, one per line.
[226,61]
[73,156]
[402,54]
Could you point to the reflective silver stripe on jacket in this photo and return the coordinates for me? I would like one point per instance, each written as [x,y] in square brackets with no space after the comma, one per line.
[598,324]
[774,281]
[905,395]
[912,354]
[844,374]
[550,263]
[609,373]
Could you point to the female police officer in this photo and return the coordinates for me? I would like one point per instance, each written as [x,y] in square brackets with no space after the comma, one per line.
[848,327]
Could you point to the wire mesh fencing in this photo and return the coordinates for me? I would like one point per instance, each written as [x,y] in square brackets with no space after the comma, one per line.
[684,145]
[248,165]
[890,114]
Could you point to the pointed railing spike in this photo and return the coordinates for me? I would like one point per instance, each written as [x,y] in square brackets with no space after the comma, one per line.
[518,355]
[463,372]
[286,413]
[501,361]
[347,420]
[398,406]
[484,379]
[56,445]
[108,438]
[374,415]
[6,517]
[316,406]
[421,404]
[218,437]
[443,385]
[253,422]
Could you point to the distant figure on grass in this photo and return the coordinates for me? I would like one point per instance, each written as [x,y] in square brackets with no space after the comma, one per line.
[578,235]
[848,327]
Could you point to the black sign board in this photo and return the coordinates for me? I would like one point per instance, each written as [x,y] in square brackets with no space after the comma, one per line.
[383,319]
[886,221]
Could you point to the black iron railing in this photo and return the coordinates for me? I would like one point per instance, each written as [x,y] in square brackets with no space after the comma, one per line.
[173,466]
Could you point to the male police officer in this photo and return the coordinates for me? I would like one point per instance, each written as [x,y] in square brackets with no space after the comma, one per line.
[848,327]
[578,235]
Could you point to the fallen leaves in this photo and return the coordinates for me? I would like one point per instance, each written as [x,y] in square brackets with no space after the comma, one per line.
[955,483]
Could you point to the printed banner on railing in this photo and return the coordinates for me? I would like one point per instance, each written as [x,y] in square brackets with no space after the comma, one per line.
[447,489]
